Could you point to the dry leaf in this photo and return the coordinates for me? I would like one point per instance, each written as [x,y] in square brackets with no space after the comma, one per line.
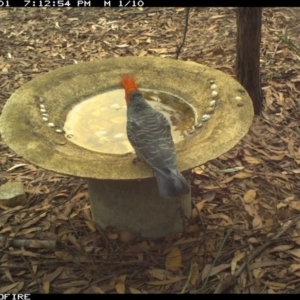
[134,291]
[211,27]
[296,237]
[64,255]
[159,50]
[281,248]
[24,253]
[237,257]
[143,53]
[295,205]
[198,207]
[72,239]
[295,252]
[207,272]
[17,288]
[198,170]
[72,290]
[219,51]
[68,208]
[164,282]
[126,236]
[8,288]
[158,273]
[293,268]
[46,286]
[34,268]
[97,290]
[242,175]
[221,216]
[217,16]
[257,222]
[50,277]
[281,205]
[276,284]
[258,273]
[120,286]
[7,274]
[249,196]
[67,285]
[173,259]
[90,226]
[239,175]
[112,235]
[31,222]
[252,160]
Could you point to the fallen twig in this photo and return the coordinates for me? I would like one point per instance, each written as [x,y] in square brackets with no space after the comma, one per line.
[50,244]
[187,12]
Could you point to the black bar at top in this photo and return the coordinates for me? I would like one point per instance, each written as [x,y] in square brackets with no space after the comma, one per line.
[115,3]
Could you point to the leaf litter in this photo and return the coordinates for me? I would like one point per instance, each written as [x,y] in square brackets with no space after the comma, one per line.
[244,231]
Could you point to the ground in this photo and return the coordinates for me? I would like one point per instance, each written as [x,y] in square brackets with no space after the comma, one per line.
[244,233]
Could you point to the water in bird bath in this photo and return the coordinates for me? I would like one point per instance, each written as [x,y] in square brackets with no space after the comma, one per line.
[99,123]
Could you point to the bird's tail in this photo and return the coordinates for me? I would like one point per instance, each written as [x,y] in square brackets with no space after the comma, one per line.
[170,182]
[129,85]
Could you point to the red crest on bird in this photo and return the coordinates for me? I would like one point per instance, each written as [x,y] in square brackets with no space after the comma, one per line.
[129,85]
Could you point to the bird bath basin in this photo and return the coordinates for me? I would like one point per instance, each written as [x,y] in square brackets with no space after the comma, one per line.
[105,128]
[34,123]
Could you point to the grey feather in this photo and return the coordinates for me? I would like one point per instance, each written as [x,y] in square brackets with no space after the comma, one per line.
[149,133]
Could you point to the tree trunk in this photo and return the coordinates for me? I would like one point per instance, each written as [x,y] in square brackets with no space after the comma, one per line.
[248,52]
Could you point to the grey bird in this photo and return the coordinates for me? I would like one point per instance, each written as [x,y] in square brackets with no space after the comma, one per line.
[149,133]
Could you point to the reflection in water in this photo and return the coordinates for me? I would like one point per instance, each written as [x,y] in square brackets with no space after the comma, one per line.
[99,123]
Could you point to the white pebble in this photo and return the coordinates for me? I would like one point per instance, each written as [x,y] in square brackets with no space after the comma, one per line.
[238,98]
[45,119]
[212,103]
[210,110]
[198,126]
[45,115]
[42,106]
[51,124]
[214,94]
[43,110]
[119,135]
[189,132]
[213,87]
[205,118]
[58,130]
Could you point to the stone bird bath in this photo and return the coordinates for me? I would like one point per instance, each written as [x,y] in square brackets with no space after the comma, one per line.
[123,194]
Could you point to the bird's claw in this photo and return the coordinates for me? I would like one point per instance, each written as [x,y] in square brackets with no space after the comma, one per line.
[135,160]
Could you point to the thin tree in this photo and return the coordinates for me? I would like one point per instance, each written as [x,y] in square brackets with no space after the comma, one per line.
[248,53]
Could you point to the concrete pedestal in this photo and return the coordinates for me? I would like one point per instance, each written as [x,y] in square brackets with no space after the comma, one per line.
[136,206]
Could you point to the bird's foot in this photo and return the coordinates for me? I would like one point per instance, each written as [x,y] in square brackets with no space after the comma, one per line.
[135,160]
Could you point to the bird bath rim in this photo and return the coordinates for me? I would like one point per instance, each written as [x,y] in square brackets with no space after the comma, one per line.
[24,130]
